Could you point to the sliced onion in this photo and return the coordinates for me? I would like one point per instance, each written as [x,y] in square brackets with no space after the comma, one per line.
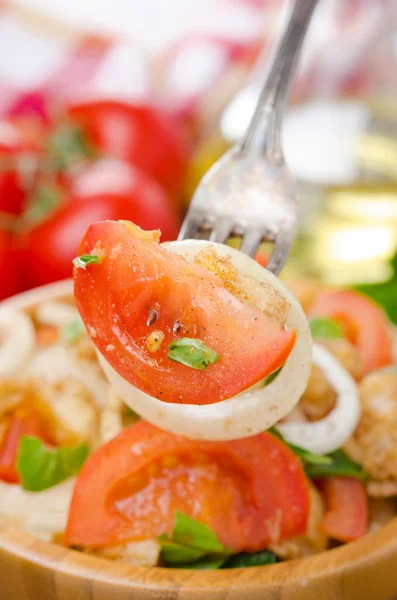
[56,362]
[41,294]
[248,413]
[330,433]
[17,341]
[55,313]
[41,513]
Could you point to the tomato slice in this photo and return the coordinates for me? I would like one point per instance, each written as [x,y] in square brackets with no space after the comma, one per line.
[363,321]
[136,276]
[250,492]
[347,508]
[23,422]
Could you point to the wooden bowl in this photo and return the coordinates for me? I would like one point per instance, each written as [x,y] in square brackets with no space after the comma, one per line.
[34,570]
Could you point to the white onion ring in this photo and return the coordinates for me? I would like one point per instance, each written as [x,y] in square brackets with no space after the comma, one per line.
[17,341]
[55,313]
[56,363]
[248,413]
[330,433]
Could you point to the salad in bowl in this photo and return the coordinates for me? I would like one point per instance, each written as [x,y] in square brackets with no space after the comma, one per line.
[184,408]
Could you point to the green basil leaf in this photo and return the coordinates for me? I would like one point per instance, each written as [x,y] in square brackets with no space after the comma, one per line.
[41,467]
[310,457]
[276,434]
[189,532]
[207,564]
[68,146]
[192,352]
[85,259]
[192,545]
[176,554]
[44,201]
[72,331]
[317,466]
[341,466]
[325,328]
[384,293]
[305,455]
[246,559]
[272,376]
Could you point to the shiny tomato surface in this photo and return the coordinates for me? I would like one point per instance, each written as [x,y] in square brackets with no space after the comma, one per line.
[135,276]
[251,492]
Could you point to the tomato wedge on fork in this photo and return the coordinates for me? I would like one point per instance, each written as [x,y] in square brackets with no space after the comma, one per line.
[137,288]
[250,492]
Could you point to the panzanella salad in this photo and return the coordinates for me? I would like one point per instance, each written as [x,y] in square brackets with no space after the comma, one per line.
[184,331]
[183,415]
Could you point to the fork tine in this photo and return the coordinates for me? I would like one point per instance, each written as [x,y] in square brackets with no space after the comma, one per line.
[281,248]
[221,231]
[189,228]
[251,241]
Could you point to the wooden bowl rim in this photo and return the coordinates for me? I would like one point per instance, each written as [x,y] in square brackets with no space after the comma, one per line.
[357,557]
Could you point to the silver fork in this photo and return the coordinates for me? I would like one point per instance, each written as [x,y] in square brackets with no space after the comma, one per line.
[249,192]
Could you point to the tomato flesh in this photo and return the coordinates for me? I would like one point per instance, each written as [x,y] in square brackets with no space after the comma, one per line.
[251,492]
[23,422]
[346,518]
[364,324]
[136,275]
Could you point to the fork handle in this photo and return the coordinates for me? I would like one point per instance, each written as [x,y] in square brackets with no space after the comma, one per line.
[263,132]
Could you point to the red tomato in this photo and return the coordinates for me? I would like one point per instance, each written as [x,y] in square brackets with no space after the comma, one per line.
[137,274]
[10,273]
[262,258]
[16,173]
[346,518]
[106,190]
[144,136]
[251,492]
[363,321]
[23,422]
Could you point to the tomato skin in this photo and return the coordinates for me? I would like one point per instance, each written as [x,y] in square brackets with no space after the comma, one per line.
[346,499]
[141,135]
[364,322]
[262,258]
[268,497]
[24,422]
[12,195]
[106,190]
[135,275]
[10,272]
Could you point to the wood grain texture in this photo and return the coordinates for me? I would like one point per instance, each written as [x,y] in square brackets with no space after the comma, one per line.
[34,570]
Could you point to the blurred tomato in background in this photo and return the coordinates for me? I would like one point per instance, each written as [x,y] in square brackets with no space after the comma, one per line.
[123,122]
[106,189]
[143,136]
[19,153]
[97,160]
[10,274]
